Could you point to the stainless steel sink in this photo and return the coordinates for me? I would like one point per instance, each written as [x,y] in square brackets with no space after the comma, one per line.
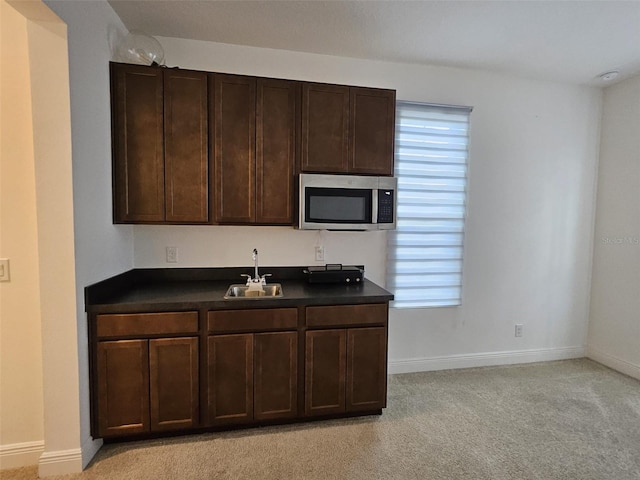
[273,290]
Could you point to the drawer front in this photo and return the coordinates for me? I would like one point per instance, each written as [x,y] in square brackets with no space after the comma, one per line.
[142,324]
[341,315]
[221,321]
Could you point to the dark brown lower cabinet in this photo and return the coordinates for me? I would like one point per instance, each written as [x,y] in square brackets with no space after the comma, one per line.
[173,383]
[147,385]
[275,375]
[325,371]
[123,387]
[366,369]
[252,377]
[230,363]
[261,365]
[345,370]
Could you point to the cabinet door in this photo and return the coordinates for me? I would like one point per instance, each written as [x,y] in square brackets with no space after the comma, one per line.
[230,363]
[276,145]
[372,131]
[325,125]
[366,369]
[173,367]
[123,387]
[276,375]
[138,144]
[185,136]
[325,369]
[234,147]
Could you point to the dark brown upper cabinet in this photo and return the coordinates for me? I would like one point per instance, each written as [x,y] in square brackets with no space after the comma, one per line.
[254,144]
[234,112]
[325,128]
[372,130]
[160,157]
[277,147]
[193,147]
[186,160]
[347,129]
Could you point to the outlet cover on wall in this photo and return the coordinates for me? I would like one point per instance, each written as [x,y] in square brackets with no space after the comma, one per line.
[171,254]
[319,253]
[518,331]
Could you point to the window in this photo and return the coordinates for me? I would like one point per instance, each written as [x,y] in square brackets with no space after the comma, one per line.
[424,264]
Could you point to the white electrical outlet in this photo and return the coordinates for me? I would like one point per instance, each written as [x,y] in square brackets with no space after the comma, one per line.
[518,332]
[319,253]
[172,254]
[4,270]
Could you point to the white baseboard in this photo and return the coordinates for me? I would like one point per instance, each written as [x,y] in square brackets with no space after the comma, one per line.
[616,363]
[18,455]
[61,462]
[50,463]
[484,359]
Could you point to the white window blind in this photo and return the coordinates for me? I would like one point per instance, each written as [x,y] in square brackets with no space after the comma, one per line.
[424,264]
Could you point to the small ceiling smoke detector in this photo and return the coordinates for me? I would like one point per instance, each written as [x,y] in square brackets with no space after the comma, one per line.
[608,76]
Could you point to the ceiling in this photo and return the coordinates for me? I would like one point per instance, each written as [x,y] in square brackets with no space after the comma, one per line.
[563,41]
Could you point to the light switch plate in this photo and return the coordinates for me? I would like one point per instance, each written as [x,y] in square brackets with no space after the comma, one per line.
[4,270]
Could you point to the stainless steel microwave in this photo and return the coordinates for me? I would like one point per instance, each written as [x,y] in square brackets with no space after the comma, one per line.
[347,202]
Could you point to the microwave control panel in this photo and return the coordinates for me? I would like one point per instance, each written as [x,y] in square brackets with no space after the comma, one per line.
[385,206]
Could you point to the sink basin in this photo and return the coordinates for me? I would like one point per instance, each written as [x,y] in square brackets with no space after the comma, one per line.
[273,290]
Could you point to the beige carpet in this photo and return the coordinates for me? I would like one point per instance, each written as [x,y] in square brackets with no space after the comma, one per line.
[571,419]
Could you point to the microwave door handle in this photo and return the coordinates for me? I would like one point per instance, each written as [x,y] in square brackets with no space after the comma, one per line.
[374,206]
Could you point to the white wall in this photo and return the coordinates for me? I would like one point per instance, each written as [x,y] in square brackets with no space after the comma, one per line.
[228,246]
[527,257]
[56,255]
[102,249]
[45,156]
[614,329]
[21,396]
[533,158]
[44,335]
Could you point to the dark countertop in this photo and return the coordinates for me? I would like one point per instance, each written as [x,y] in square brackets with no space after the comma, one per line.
[156,290]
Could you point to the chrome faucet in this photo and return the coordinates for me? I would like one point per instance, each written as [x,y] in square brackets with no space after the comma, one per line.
[257,279]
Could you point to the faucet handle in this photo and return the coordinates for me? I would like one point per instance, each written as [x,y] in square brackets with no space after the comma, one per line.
[248,277]
[263,278]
